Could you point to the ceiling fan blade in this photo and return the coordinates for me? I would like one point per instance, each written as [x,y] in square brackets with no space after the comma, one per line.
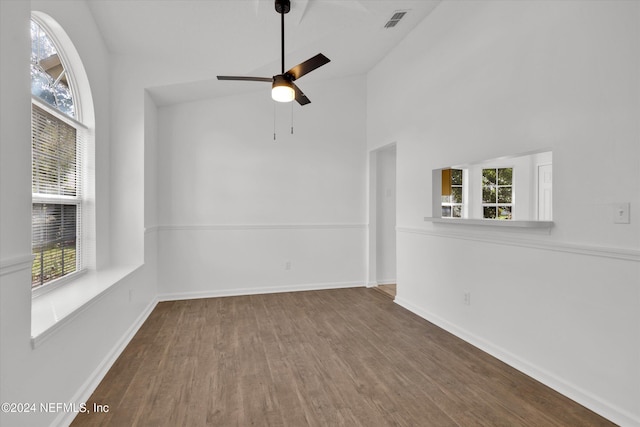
[247,79]
[300,96]
[307,66]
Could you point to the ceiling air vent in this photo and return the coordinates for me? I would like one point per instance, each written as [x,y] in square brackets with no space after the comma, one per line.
[397,16]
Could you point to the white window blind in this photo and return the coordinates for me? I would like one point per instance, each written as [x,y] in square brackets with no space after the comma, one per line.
[57,143]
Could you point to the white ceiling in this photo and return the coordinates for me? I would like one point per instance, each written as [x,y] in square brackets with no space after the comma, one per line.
[242,37]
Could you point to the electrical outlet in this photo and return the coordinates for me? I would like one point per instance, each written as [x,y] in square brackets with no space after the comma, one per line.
[287,265]
[467,298]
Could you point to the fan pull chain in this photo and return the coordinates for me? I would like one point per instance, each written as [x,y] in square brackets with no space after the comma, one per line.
[291,118]
[274,121]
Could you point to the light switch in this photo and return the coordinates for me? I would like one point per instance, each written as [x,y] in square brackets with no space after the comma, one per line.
[621,213]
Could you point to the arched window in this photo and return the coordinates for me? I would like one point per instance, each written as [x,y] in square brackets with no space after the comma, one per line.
[58,141]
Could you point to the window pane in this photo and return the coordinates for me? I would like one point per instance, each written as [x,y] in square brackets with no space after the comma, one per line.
[41,45]
[457,212]
[488,195]
[53,241]
[54,160]
[41,86]
[64,100]
[456,195]
[505,176]
[446,211]
[504,194]
[48,76]
[488,176]
[456,176]
[504,212]
[489,212]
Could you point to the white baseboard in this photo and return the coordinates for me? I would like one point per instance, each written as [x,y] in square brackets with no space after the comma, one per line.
[86,390]
[257,290]
[585,398]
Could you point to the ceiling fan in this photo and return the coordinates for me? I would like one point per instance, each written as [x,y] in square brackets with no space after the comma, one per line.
[283,88]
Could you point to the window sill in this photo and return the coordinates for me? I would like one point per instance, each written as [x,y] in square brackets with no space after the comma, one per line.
[57,283]
[546,225]
[52,310]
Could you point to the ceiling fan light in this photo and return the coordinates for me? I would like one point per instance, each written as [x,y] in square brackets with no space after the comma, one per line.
[283,94]
[282,90]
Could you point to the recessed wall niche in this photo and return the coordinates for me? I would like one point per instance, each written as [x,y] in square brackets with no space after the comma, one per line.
[515,189]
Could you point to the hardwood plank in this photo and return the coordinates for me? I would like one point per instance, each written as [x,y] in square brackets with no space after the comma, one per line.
[389,290]
[348,357]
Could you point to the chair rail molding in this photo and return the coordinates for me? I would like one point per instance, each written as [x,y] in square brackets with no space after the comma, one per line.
[15,264]
[222,227]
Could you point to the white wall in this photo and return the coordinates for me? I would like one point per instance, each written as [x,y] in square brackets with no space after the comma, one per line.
[499,78]
[15,183]
[386,215]
[235,206]
[69,363]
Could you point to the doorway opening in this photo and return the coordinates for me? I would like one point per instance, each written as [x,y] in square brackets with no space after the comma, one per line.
[382,219]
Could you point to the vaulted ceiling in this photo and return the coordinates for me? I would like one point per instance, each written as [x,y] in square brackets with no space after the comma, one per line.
[242,37]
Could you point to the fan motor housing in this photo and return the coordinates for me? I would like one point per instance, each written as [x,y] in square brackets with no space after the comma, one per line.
[283,6]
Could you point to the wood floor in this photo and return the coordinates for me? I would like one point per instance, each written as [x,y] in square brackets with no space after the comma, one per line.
[348,357]
[388,290]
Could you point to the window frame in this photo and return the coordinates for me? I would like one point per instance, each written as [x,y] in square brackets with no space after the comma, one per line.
[84,138]
[497,187]
[55,199]
[446,199]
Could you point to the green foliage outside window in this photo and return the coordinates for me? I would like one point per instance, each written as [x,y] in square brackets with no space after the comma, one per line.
[497,193]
